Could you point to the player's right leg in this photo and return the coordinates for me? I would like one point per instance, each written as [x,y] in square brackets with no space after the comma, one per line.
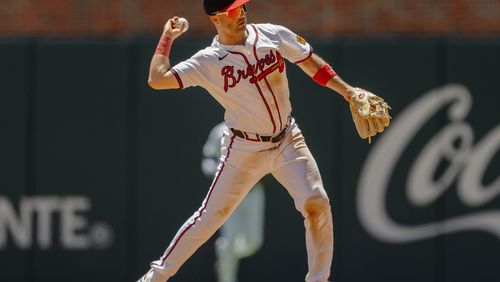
[232,182]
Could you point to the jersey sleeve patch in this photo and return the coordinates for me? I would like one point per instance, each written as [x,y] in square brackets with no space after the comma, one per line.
[301,40]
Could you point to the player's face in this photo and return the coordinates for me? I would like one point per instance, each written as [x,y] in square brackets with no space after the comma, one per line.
[233,21]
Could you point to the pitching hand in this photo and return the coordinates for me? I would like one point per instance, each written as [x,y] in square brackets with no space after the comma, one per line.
[170,30]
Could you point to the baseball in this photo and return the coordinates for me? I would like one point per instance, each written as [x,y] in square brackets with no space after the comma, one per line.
[180,22]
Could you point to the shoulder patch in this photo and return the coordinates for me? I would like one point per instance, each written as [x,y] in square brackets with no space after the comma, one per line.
[301,40]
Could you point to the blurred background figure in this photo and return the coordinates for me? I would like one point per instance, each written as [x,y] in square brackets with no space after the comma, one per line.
[242,234]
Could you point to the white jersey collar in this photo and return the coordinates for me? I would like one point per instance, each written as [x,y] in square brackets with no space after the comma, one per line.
[250,41]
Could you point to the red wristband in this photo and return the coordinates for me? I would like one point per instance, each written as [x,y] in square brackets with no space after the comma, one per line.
[324,74]
[164,46]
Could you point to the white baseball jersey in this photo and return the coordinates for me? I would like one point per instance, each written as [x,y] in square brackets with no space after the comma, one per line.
[249,80]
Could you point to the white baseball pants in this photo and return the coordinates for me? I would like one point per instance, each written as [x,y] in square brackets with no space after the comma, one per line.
[243,164]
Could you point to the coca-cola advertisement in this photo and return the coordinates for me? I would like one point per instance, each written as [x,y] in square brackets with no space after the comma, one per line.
[425,195]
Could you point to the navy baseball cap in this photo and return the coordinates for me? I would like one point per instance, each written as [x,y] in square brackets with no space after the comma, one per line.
[213,6]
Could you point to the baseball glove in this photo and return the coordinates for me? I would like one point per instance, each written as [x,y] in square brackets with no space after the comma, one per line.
[369,112]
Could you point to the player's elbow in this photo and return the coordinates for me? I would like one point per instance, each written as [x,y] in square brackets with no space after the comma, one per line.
[153,83]
[160,81]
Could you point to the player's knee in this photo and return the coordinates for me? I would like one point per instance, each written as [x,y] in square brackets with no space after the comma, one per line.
[315,206]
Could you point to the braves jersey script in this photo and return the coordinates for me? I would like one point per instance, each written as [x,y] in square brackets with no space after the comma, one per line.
[248,80]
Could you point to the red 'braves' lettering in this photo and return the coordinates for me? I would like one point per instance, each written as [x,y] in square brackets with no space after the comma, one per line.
[256,72]
[228,72]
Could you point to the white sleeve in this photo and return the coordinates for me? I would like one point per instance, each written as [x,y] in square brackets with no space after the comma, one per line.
[293,47]
[192,72]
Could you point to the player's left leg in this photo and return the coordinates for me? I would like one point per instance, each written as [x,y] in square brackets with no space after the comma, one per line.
[298,172]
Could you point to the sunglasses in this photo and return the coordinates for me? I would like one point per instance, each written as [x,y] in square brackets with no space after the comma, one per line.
[234,13]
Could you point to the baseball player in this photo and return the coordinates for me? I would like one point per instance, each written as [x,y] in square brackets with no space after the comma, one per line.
[241,236]
[244,70]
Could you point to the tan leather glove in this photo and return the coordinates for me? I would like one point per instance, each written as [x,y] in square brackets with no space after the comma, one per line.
[369,112]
